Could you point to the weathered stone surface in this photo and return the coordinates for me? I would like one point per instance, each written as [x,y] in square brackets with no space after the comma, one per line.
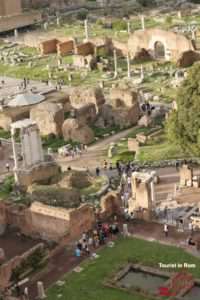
[55,196]
[86,114]
[82,96]
[44,173]
[121,116]
[49,117]
[88,61]
[123,97]
[76,179]
[142,55]
[76,131]
[110,204]
[145,121]
[174,44]
[187,58]
[133,145]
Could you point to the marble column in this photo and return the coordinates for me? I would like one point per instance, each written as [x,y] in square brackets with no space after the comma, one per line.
[115,63]
[86,29]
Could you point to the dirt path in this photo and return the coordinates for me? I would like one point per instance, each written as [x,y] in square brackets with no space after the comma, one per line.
[95,154]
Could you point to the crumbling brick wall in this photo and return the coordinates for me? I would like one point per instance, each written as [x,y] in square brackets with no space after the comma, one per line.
[64,48]
[84,49]
[49,46]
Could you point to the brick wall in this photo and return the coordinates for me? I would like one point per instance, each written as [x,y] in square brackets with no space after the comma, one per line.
[10,7]
[7,268]
[66,47]
[85,49]
[49,46]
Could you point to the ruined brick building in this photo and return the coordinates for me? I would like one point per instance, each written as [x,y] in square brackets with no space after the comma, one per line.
[10,7]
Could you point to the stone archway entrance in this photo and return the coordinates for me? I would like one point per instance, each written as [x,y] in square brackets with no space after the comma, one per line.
[159,50]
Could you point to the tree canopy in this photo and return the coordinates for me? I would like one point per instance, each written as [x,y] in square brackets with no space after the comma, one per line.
[183,125]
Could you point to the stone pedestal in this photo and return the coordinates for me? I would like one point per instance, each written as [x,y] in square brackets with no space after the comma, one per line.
[186,175]
[41,292]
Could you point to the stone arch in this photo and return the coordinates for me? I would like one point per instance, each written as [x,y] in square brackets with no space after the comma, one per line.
[159,50]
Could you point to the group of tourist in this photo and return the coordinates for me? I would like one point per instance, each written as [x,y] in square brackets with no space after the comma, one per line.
[96,238]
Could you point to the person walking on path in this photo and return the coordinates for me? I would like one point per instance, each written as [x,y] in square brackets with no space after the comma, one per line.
[166,230]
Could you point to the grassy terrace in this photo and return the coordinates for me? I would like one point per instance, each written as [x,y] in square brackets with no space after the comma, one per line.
[88,285]
[156,149]
[159,149]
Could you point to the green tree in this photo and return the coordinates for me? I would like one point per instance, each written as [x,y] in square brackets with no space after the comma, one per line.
[183,126]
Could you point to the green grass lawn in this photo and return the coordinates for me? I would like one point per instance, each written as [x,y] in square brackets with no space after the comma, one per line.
[122,152]
[159,149]
[88,285]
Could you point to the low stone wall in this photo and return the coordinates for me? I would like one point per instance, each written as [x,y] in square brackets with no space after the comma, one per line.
[7,268]
[39,174]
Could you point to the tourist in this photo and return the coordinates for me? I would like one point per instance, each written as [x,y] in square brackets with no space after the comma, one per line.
[114,229]
[191,229]
[7,167]
[191,241]
[105,164]
[87,250]
[132,216]
[90,241]
[97,171]
[77,252]
[96,241]
[105,228]
[166,230]
[79,245]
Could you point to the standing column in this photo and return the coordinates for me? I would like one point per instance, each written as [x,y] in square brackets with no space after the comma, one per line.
[115,63]
[152,193]
[16,33]
[14,155]
[128,66]
[142,22]
[193,35]
[40,150]
[86,29]
[142,72]
[58,21]
[128,27]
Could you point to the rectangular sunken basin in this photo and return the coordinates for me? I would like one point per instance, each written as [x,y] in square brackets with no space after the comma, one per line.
[193,294]
[143,280]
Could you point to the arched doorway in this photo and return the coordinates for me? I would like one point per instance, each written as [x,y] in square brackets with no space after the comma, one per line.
[159,50]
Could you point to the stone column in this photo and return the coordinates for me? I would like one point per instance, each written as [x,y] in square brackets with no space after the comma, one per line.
[142,22]
[128,27]
[115,63]
[14,155]
[58,21]
[141,72]
[16,33]
[179,15]
[86,29]
[46,25]
[193,35]
[125,230]
[40,146]
[41,292]
[152,192]
[128,66]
